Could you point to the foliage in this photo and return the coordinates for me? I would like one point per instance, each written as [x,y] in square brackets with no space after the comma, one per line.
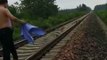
[43,13]
[84,8]
[51,21]
[103,15]
[80,8]
[38,8]
[101,7]
[15,11]
[101,11]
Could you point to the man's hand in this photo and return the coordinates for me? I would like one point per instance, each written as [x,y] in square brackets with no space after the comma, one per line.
[22,22]
[19,22]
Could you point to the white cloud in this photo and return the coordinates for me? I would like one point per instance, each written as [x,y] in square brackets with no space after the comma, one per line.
[63,4]
[12,1]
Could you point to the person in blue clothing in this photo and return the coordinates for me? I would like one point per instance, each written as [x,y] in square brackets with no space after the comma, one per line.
[6,31]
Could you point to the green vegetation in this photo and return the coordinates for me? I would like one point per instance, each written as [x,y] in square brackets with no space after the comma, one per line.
[101,11]
[33,9]
[44,13]
[51,21]
[101,7]
[103,15]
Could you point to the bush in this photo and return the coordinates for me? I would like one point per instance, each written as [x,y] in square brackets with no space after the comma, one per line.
[50,22]
[103,15]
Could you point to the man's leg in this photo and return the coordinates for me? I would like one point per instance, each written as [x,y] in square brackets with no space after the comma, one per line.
[6,52]
[13,50]
[4,41]
[8,45]
[11,45]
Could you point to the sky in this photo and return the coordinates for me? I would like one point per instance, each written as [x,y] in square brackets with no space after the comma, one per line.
[69,4]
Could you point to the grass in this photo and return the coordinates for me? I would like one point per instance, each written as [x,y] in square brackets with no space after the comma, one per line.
[50,22]
[103,15]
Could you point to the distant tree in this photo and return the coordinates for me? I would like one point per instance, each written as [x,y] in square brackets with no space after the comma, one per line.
[15,10]
[83,7]
[38,8]
[80,8]
[100,7]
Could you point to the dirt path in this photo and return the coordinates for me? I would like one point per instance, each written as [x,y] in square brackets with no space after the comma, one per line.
[87,43]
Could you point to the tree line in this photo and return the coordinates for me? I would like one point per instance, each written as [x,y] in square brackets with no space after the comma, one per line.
[43,13]
[80,8]
[34,9]
[100,7]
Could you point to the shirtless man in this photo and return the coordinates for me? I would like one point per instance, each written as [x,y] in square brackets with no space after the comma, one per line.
[6,31]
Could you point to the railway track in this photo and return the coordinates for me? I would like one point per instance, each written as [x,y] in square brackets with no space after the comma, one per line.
[87,43]
[46,43]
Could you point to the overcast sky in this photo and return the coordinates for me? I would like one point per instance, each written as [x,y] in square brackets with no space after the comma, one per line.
[66,4]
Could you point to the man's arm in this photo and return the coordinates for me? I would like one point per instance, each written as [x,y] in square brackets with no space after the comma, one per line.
[13,18]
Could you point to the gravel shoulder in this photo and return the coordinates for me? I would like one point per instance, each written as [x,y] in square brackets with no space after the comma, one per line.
[87,43]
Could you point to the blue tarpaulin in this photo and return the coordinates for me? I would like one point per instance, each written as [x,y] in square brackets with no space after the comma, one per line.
[29,31]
